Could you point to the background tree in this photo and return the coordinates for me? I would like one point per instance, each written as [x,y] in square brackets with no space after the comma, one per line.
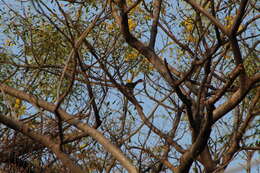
[66,68]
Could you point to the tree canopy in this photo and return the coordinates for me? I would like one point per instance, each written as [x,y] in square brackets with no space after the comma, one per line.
[129,85]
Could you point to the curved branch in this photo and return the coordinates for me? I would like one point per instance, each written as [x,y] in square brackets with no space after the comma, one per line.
[44,140]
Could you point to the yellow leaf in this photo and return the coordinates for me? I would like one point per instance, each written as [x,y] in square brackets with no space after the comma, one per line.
[189,27]
[226,56]
[147,17]
[190,38]
[17,103]
[240,28]
[133,55]
[16,106]
[132,24]
[109,27]
[229,21]
[129,80]
[82,146]
[8,42]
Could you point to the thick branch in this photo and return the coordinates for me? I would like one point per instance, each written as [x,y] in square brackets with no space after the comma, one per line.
[233,101]
[44,140]
[238,18]
[237,136]
[239,61]
[156,15]
[198,146]
[208,15]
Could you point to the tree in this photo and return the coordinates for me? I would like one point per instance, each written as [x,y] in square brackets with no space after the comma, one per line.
[137,86]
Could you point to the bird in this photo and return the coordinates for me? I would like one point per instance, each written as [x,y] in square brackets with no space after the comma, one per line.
[131,85]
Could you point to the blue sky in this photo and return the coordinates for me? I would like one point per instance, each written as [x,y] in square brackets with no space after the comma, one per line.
[148,105]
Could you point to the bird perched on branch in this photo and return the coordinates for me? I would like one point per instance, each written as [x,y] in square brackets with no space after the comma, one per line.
[131,85]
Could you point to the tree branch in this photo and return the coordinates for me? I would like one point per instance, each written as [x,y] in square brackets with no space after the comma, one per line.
[71,120]
[44,140]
